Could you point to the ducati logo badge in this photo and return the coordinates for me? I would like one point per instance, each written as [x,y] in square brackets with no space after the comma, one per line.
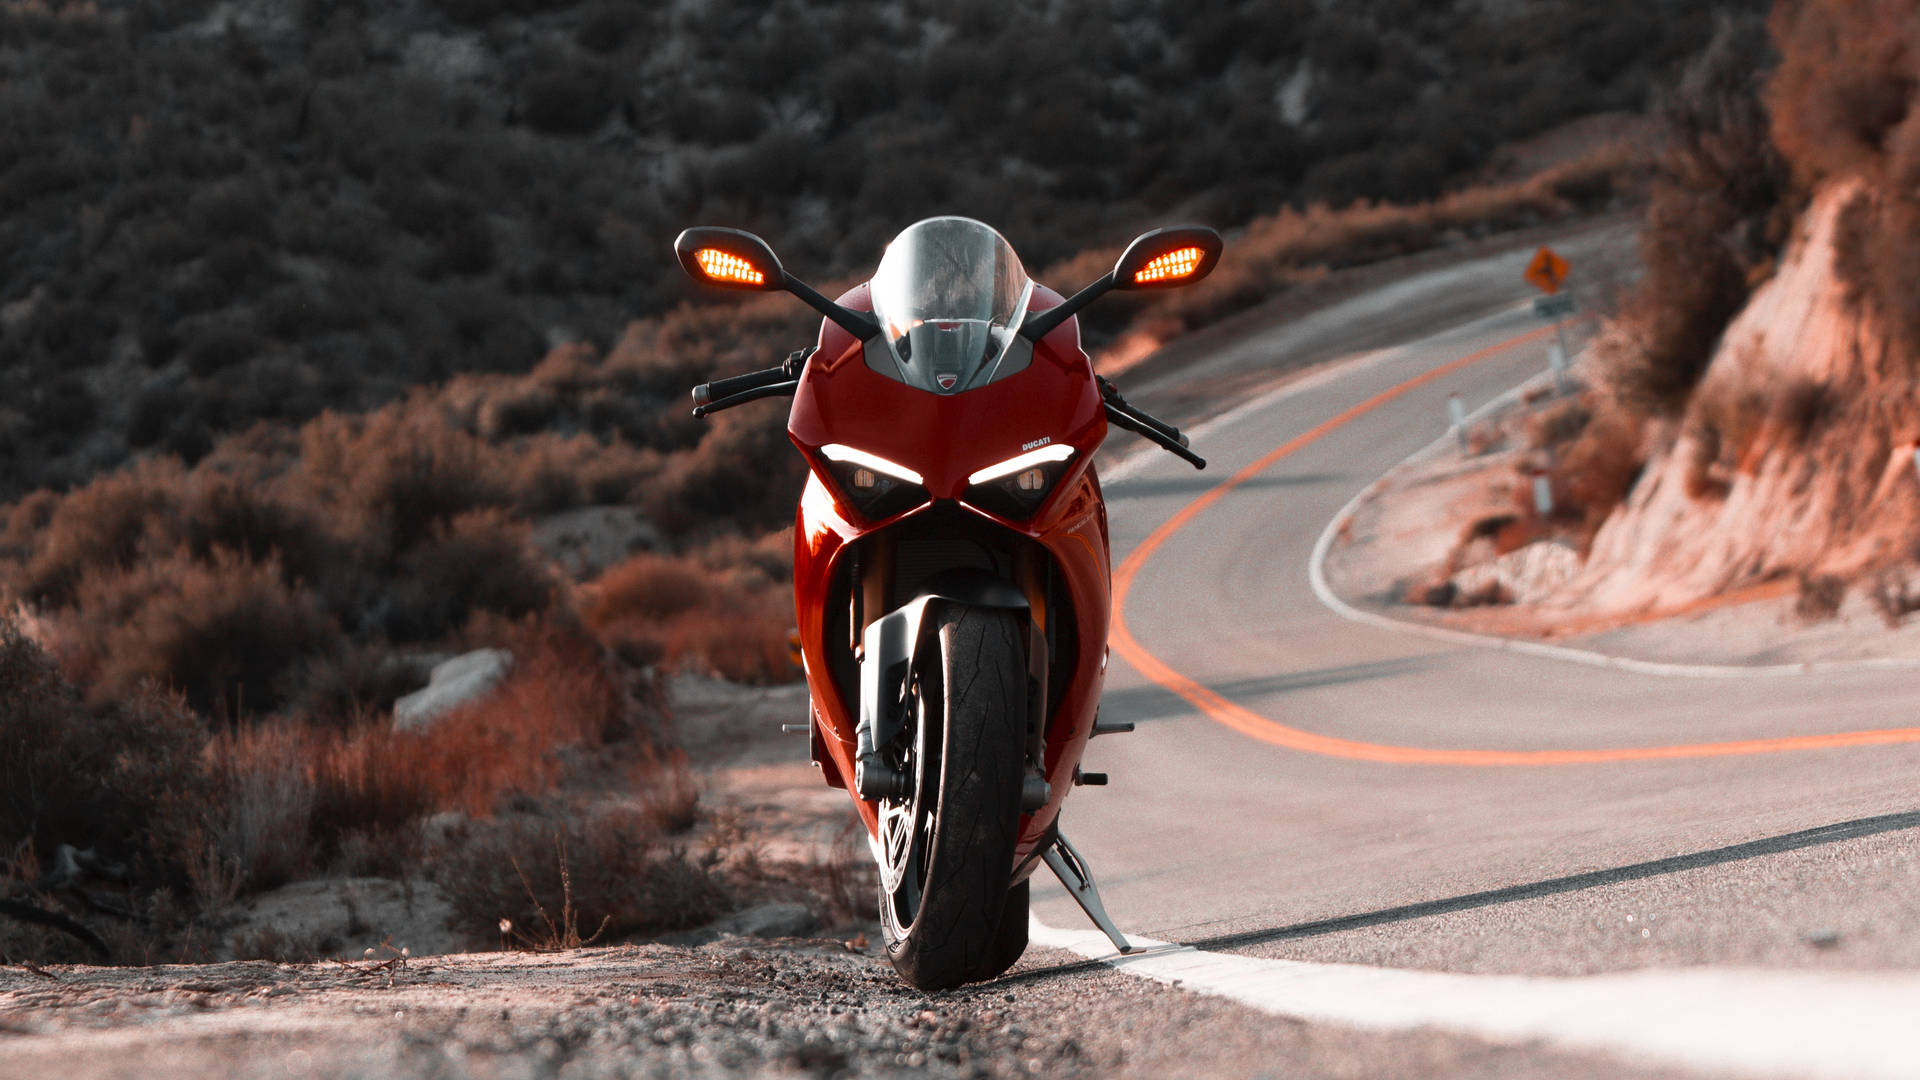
[946,381]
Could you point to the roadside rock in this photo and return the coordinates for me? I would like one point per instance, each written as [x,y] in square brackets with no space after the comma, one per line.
[456,682]
[1526,574]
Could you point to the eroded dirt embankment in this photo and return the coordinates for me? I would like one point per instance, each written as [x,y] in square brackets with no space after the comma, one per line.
[1791,468]
[1796,455]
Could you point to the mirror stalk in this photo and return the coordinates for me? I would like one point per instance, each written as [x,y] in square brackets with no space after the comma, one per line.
[853,322]
[1035,327]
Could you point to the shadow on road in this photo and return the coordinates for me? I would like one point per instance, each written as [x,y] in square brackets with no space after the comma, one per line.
[1149,702]
[1752,849]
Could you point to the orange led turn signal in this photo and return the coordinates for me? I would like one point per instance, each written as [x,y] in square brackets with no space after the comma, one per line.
[1178,263]
[722,266]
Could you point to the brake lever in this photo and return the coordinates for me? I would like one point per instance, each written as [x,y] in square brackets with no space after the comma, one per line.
[1121,418]
[1111,394]
[755,394]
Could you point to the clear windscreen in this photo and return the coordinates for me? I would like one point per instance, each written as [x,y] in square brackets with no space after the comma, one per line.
[949,294]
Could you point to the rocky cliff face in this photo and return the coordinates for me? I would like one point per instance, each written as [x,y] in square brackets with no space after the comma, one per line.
[1796,454]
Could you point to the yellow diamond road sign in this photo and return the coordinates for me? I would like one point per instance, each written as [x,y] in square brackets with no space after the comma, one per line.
[1548,271]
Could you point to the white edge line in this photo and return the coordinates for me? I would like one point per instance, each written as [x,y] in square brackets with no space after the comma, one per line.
[1317,577]
[1755,1022]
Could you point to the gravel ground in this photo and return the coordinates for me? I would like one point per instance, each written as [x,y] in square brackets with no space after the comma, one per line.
[807,1008]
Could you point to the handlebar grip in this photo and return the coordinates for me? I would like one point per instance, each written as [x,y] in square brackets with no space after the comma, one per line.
[707,393]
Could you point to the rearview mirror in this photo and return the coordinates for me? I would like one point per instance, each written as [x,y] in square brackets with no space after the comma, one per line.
[1165,258]
[730,259]
[1161,259]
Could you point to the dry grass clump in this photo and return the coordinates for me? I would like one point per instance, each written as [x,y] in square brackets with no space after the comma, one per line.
[611,869]
[312,790]
[692,615]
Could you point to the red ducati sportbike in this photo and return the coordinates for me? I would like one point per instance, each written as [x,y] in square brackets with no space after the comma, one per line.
[950,557]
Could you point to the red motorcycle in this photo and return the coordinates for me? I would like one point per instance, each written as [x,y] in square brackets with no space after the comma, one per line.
[950,563]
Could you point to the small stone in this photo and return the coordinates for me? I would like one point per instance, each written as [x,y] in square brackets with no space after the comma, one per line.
[1823,937]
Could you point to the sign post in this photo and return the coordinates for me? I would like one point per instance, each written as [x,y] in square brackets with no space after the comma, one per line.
[1548,272]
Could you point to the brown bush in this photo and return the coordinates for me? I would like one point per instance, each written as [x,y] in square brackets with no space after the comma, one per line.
[481,560]
[293,796]
[1819,596]
[1895,596]
[1844,106]
[123,779]
[1722,206]
[226,634]
[611,867]
[1596,472]
[391,477]
[727,621]
[101,526]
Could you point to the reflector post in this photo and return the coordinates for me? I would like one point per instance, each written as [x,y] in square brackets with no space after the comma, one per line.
[725,266]
[1175,264]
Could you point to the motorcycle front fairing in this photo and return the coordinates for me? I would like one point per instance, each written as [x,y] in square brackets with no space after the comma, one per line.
[848,407]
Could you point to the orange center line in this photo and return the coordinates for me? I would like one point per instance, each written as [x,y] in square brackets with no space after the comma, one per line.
[1253,725]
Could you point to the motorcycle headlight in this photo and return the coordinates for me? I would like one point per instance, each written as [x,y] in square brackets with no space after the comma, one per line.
[876,487]
[1016,487]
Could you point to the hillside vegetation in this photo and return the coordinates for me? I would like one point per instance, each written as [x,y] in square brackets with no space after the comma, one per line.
[215,214]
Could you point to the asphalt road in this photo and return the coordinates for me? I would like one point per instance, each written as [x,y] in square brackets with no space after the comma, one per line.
[1218,838]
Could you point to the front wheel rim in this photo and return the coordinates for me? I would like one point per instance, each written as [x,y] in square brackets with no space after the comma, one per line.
[906,825]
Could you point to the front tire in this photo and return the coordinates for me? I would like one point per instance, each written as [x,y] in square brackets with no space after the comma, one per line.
[950,843]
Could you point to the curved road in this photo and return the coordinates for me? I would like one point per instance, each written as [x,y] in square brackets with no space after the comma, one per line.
[1214,836]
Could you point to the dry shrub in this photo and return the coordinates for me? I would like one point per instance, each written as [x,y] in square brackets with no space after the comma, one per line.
[1819,596]
[1596,471]
[1557,423]
[1895,596]
[389,478]
[102,525]
[295,796]
[1728,424]
[228,634]
[732,623]
[648,586]
[1722,207]
[121,778]
[1843,104]
[260,818]
[481,560]
[611,866]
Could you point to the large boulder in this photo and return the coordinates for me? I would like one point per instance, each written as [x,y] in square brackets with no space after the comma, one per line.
[462,680]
